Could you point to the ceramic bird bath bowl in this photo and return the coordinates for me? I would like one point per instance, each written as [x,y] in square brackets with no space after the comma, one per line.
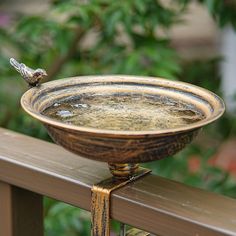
[122,120]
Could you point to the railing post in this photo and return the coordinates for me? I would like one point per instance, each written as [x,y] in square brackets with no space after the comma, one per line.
[21,212]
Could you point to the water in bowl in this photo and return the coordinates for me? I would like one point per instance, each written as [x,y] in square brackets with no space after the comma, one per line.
[124,112]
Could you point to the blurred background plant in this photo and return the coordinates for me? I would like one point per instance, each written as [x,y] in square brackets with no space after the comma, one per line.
[79,37]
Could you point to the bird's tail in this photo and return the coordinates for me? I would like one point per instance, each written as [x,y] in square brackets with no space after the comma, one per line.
[15,64]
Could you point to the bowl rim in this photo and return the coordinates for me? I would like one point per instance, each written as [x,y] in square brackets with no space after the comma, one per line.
[96,131]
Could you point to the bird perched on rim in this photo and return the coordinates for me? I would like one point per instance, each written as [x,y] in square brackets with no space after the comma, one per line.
[32,77]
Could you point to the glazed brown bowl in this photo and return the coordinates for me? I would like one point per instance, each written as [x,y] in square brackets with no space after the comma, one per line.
[118,146]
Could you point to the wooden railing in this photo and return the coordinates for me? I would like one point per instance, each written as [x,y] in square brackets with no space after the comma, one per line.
[31,168]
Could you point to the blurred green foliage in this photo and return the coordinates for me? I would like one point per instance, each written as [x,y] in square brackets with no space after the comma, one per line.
[63,219]
[111,37]
[224,12]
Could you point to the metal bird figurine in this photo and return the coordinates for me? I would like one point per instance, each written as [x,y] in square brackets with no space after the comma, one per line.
[32,77]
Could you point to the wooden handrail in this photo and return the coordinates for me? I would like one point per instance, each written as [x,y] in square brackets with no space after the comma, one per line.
[154,204]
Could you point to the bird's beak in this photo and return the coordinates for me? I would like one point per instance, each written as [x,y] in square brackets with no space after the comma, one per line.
[45,73]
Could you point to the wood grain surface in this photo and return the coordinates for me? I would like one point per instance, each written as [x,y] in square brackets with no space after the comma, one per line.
[154,204]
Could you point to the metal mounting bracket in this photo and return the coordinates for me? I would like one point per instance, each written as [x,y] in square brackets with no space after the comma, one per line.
[100,205]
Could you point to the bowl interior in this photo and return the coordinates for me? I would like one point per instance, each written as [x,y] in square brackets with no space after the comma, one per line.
[119,104]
